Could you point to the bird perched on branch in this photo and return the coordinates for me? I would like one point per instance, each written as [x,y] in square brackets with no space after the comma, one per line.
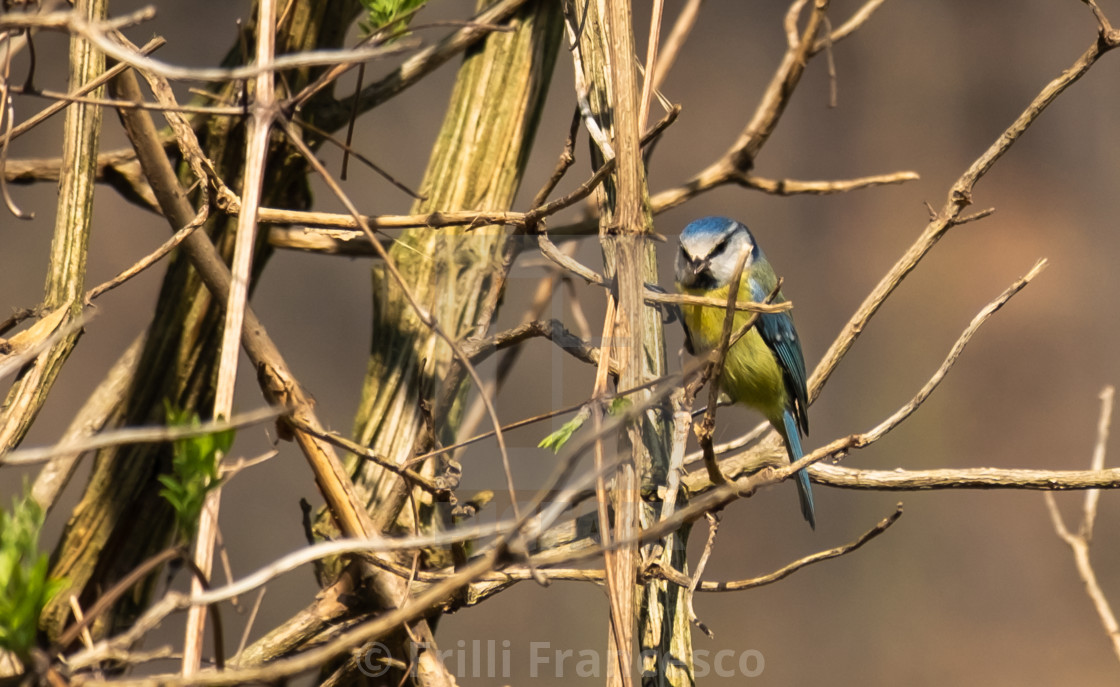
[765,369]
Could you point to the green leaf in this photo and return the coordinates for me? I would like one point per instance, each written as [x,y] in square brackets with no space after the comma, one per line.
[557,439]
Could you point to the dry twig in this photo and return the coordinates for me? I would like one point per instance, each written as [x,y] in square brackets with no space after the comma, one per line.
[1080,541]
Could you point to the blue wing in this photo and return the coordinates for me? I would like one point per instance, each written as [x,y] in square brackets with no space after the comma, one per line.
[778,332]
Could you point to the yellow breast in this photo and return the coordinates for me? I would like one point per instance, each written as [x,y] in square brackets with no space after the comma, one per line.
[751,373]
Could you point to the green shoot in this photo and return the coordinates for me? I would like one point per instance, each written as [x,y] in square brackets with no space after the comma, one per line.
[388,15]
[24,587]
[557,439]
[194,470]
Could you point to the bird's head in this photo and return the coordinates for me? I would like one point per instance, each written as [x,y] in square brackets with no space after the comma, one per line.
[709,251]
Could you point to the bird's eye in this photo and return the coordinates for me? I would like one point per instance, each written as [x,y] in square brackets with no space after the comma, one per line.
[720,247]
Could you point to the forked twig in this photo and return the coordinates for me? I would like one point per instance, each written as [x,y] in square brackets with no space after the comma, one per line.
[1079,541]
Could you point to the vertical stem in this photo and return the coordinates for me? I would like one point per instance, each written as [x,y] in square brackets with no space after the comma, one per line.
[66,271]
[607,60]
[256,154]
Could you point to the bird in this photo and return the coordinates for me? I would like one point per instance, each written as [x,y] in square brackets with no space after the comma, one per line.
[765,369]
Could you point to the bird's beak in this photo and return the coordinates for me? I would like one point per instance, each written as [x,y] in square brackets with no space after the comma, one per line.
[698,267]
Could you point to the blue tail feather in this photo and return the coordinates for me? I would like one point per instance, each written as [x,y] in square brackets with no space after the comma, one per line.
[793,448]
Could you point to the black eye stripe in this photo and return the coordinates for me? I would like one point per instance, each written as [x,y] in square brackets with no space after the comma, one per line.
[720,247]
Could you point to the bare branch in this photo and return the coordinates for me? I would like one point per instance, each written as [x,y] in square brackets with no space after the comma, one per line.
[787,570]
[553,330]
[960,195]
[1079,542]
[965,478]
[854,22]
[1092,498]
[709,545]
[262,111]
[743,152]
[789,187]
[677,36]
[149,259]
[407,473]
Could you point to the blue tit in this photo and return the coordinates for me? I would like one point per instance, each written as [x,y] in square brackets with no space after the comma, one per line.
[765,369]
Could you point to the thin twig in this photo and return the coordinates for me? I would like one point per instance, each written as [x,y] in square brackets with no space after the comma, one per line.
[406,473]
[139,435]
[60,105]
[99,33]
[66,99]
[250,620]
[563,164]
[1080,541]
[1092,497]
[617,628]
[787,570]
[149,259]
[356,154]
[107,599]
[651,62]
[714,302]
[791,187]
[667,380]
[709,545]
[958,347]
[677,36]
[960,196]
[553,330]
[854,22]
[682,421]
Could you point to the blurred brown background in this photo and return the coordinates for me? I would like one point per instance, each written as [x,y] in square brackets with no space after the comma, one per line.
[969,587]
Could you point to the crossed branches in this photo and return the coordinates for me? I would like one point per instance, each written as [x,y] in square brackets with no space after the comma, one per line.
[507,553]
